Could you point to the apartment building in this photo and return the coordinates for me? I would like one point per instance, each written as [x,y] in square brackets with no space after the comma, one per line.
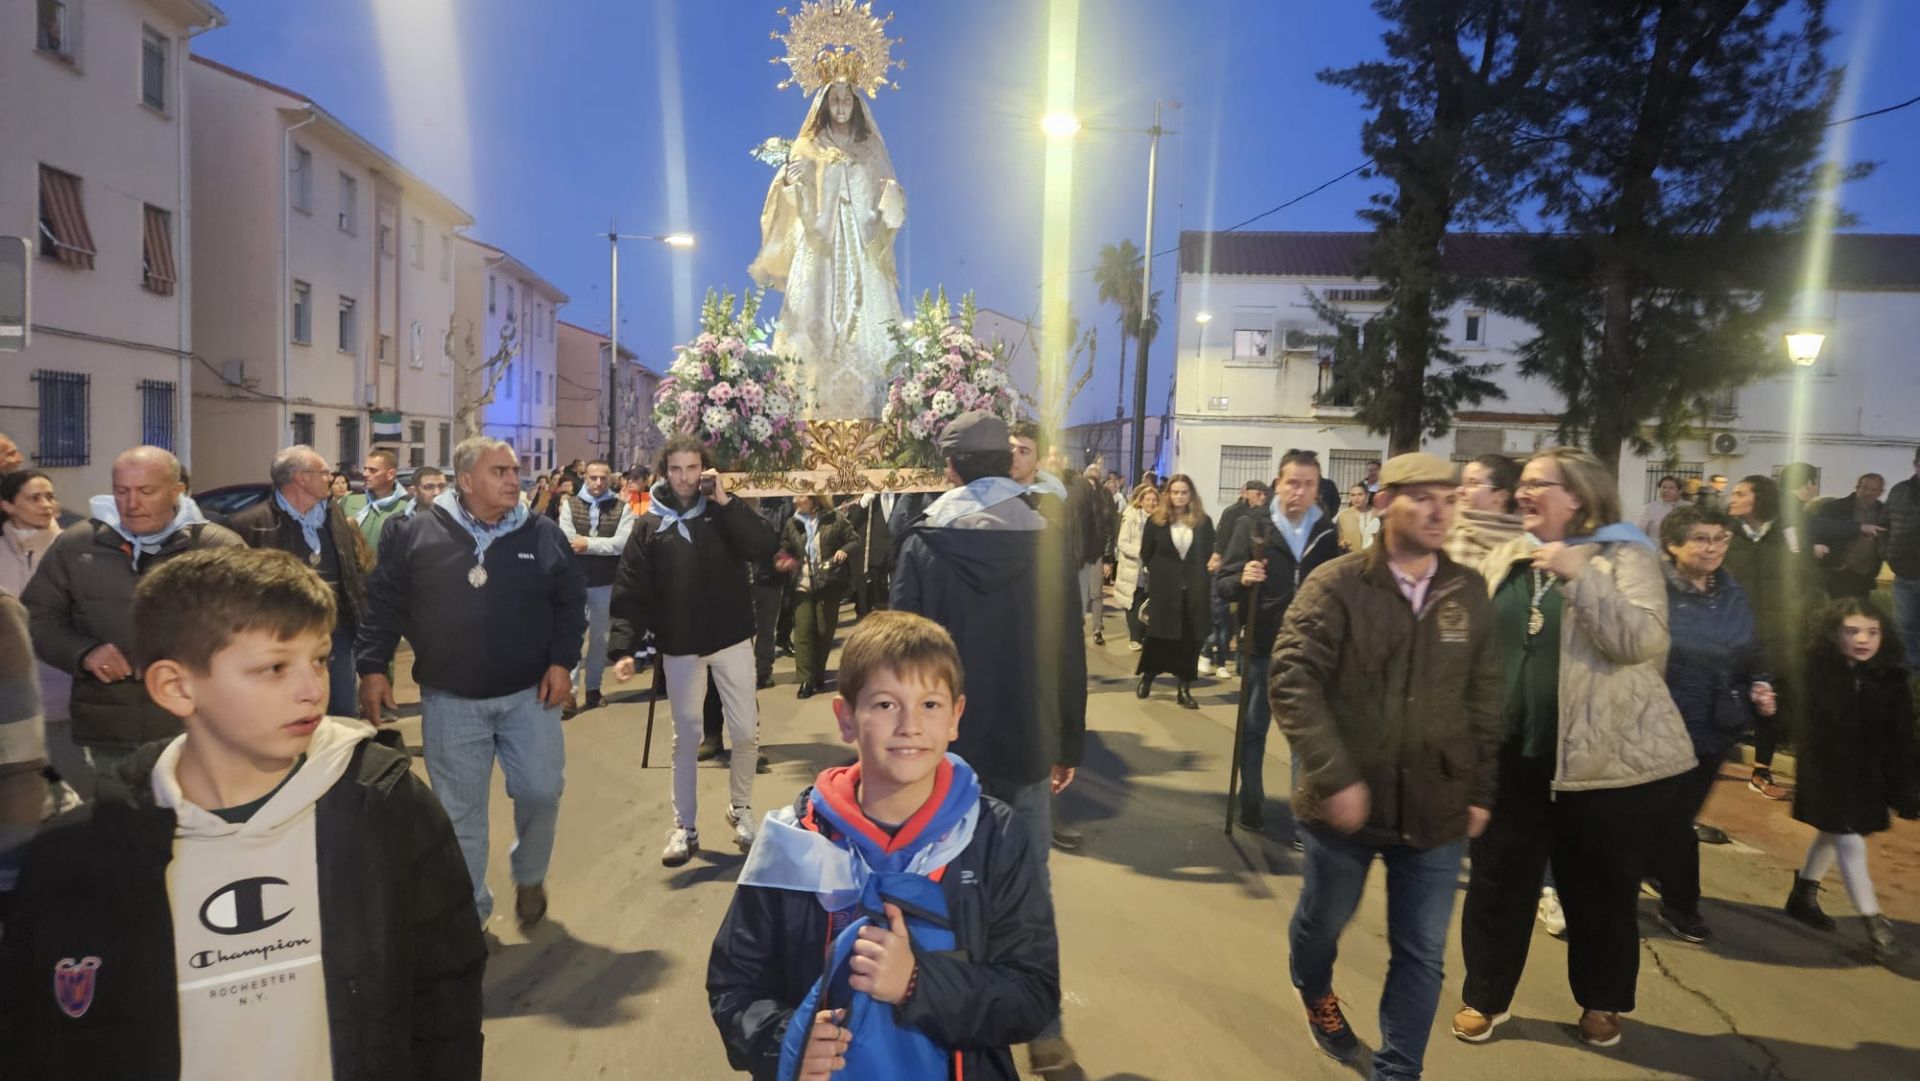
[509,375]
[324,294]
[1252,379]
[581,418]
[94,124]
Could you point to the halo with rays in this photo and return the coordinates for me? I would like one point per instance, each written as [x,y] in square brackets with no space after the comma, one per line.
[838,41]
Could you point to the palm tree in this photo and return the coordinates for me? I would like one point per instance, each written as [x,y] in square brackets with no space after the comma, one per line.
[1118,277]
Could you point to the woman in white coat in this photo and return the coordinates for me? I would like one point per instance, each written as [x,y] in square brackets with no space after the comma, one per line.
[1129,590]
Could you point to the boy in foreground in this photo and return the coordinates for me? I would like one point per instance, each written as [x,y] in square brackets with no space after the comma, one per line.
[940,927]
[270,894]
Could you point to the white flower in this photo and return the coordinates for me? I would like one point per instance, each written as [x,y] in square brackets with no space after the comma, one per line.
[913,392]
[916,429]
[715,419]
[760,428]
[777,405]
[945,404]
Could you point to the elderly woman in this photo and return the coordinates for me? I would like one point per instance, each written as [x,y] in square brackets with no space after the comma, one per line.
[1717,677]
[1129,582]
[1174,549]
[1766,558]
[1592,742]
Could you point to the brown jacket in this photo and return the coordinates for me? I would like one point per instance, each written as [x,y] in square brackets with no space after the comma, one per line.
[265,525]
[1367,690]
[1618,724]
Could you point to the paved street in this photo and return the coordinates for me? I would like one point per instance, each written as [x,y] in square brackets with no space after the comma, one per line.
[1172,934]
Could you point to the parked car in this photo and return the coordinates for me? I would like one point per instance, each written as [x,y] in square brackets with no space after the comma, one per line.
[220,504]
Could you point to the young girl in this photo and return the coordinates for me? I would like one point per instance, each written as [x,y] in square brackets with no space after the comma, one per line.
[1856,760]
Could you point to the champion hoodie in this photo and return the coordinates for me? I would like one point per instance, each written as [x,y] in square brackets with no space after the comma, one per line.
[246,921]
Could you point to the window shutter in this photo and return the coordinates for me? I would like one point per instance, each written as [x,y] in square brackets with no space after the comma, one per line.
[159,253]
[60,210]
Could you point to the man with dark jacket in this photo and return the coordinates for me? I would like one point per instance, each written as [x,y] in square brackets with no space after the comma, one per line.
[1386,683]
[1089,517]
[597,523]
[868,516]
[982,563]
[685,585]
[1903,554]
[822,548]
[80,602]
[300,518]
[1853,565]
[1270,555]
[495,607]
[1215,659]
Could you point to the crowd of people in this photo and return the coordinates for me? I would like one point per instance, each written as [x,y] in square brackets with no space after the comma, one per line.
[1484,663]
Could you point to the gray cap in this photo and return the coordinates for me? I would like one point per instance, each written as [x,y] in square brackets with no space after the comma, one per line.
[973,432]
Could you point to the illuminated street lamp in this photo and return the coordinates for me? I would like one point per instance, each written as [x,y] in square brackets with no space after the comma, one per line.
[1803,347]
[1060,124]
[614,237]
[1202,318]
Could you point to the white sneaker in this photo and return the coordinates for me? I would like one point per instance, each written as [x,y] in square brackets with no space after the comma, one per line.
[1550,912]
[1225,671]
[682,843]
[1206,667]
[1134,647]
[741,819]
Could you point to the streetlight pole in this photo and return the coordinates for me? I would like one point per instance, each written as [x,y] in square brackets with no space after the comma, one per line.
[1146,297]
[614,237]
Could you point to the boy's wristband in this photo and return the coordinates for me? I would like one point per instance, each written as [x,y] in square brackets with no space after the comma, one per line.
[913,985]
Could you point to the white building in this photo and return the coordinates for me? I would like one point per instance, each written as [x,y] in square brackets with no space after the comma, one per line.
[507,301]
[324,286]
[1250,381]
[93,172]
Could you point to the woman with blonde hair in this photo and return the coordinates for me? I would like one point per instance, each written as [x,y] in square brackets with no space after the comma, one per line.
[1592,745]
[1174,549]
[1129,575]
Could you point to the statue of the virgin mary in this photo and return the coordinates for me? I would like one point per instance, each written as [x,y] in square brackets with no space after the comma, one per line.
[829,221]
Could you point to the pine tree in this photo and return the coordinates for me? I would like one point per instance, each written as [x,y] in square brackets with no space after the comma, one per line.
[1684,150]
[1457,75]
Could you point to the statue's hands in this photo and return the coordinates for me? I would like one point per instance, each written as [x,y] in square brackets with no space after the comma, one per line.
[793,171]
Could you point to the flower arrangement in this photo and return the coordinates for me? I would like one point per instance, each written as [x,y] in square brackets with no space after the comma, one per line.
[729,388]
[941,371]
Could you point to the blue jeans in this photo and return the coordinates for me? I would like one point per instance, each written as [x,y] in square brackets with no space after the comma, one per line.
[463,736]
[1033,815]
[1420,889]
[343,687]
[1253,738]
[593,663]
[1906,618]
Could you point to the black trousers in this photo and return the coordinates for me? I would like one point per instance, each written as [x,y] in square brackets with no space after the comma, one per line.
[767,601]
[872,594]
[1674,857]
[1596,841]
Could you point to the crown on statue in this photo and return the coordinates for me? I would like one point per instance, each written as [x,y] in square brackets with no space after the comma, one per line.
[837,41]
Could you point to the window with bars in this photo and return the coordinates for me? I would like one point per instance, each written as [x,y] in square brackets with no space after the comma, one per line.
[446,444]
[1238,465]
[1681,471]
[154,50]
[1349,467]
[349,442]
[303,429]
[64,235]
[156,253]
[64,405]
[156,413]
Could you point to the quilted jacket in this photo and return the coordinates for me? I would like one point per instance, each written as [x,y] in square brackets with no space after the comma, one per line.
[1618,725]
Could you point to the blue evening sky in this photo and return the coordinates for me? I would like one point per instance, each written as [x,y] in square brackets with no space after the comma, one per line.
[548,120]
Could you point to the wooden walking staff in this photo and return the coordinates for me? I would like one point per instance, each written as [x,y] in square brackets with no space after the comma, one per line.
[1247,690]
[653,699]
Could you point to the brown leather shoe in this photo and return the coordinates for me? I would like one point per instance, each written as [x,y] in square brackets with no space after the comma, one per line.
[1475,1027]
[1599,1028]
[530,904]
[1046,1056]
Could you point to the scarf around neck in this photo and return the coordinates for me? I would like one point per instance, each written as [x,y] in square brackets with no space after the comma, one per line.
[973,497]
[660,504]
[310,522]
[483,534]
[105,511]
[595,507]
[379,506]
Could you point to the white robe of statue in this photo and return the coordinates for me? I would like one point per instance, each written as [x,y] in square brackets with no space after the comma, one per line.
[826,242]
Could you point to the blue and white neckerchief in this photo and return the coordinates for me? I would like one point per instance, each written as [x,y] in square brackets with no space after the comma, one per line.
[675,520]
[379,506]
[185,514]
[483,534]
[310,523]
[1295,535]
[594,506]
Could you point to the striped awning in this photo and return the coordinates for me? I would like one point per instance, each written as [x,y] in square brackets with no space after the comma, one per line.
[63,224]
[158,253]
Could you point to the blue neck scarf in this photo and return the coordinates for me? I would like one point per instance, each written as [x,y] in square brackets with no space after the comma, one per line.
[973,497]
[310,523]
[107,513]
[379,506]
[811,523]
[596,506]
[483,534]
[1295,536]
[676,520]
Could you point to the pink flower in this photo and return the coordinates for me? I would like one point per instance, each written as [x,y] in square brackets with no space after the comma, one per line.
[785,446]
[949,382]
[705,342]
[706,372]
[689,404]
[720,391]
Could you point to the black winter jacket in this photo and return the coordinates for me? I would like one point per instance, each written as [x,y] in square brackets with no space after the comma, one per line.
[1000,986]
[1284,574]
[1855,745]
[1903,527]
[475,643]
[695,596]
[834,534]
[1027,693]
[1781,585]
[1179,590]
[401,948]
[265,525]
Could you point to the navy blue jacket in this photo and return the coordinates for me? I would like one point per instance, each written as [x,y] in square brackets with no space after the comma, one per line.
[475,643]
[999,986]
[1284,574]
[1714,659]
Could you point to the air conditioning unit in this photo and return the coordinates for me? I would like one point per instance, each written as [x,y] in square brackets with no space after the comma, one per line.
[1727,444]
